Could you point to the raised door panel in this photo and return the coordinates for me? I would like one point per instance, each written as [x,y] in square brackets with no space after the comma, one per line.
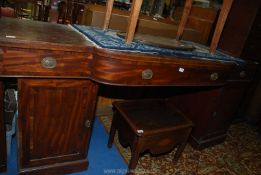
[200,107]
[211,111]
[54,120]
[230,100]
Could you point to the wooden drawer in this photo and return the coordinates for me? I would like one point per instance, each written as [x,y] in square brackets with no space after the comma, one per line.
[32,62]
[244,73]
[116,71]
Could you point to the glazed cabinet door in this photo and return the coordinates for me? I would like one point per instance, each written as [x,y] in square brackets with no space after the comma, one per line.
[55,118]
[2,131]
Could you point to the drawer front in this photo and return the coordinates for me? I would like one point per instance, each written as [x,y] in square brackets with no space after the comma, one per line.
[150,73]
[25,62]
[246,73]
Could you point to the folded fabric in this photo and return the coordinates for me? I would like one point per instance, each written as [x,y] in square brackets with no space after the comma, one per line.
[108,39]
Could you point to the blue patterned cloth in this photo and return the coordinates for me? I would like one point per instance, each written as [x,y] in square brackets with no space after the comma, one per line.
[108,39]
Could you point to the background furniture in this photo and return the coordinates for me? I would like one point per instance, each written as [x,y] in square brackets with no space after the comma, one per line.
[241,38]
[154,125]
[198,27]
[237,33]
[27,9]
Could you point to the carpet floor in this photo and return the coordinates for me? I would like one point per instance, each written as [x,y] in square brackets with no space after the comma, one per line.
[240,154]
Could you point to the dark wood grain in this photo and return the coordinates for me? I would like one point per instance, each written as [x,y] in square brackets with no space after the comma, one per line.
[201,108]
[35,34]
[126,69]
[244,42]
[245,73]
[234,41]
[27,62]
[56,136]
[83,61]
[116,68]
[54,103]
[3,156]
[212,111]
[149,125]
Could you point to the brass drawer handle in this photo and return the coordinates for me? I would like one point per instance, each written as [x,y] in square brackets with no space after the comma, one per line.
[87,124]
[242,74]
[49,62]
[147,74]
[214,76]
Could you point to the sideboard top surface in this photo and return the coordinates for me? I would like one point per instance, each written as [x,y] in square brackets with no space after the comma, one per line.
[25,46]
[34,34]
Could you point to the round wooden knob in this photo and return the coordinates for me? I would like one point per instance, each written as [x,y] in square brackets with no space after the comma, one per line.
[147,74]
[87,124]
[214,76]
[49,62]
[242,74]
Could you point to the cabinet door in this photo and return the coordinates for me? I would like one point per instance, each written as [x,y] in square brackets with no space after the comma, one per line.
[2,131]
[55,118]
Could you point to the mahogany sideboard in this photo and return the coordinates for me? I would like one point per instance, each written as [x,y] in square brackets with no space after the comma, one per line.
[244,42]
[59,72]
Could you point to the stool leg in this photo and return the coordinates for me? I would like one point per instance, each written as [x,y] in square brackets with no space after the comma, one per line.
[112,132]
[181,147]
[179,151]
[135,153]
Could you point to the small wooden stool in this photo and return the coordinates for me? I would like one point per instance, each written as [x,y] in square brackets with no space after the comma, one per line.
[154,125]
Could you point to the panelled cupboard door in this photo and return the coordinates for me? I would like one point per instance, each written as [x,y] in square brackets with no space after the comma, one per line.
[55,118]
[2,131]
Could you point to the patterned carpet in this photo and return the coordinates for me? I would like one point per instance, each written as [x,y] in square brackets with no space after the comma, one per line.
[240,154]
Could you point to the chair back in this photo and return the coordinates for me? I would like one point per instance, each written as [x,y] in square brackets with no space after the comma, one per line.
[135,11]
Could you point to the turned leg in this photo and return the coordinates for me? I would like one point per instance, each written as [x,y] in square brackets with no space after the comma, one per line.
[112,131]
[179,151]
[181,147]
[135,153]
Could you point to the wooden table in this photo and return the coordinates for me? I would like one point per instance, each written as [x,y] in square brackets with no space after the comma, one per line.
[59,73]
